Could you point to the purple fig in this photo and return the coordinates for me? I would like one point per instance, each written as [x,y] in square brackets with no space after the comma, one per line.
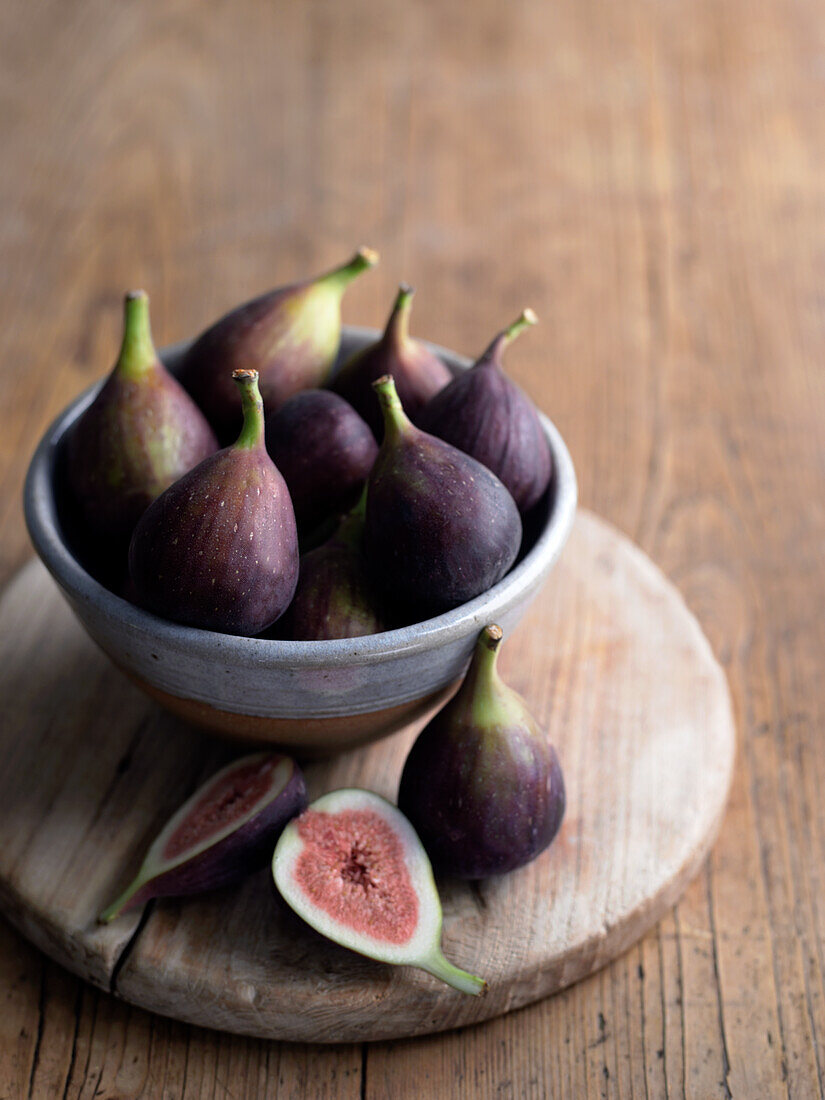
[482,785]
[440,528]
[335,597]
[324,450]
[223,833]
[219,549]
[486,415]
[418,373]
[290,336]
[140,434]
[352,867]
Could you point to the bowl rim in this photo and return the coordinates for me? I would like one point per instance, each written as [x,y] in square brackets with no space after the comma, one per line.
[45,532]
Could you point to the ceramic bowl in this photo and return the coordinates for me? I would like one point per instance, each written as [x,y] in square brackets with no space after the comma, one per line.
[311,698]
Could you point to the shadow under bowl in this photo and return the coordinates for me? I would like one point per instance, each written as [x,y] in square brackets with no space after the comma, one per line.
[310,698]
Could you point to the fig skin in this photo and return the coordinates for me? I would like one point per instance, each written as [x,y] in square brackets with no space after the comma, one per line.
[140,434]
[324,451]
[290,336]
[230,859]
[482,785]
[219,549]
[335,597]
[486,415]
[440,528]
[418,373]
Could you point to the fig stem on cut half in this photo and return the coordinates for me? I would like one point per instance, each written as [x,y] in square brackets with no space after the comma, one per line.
[252,431]
[396,420]
[459,979]
[128,898]
[398,325]
[342,276]
[137,352]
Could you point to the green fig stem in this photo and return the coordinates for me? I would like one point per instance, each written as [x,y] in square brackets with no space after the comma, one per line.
[503,339]
[351,528]
[252,432]
[486,651]
[137,352]
[525,320]
[459,979]
[341,277]
[482,685]
[398,325]
[122,902]
[396,421]
[359,509]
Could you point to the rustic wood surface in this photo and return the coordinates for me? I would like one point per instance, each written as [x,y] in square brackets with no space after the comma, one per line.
[648,176]
[629,691]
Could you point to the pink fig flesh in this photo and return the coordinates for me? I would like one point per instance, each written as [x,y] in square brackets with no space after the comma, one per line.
[362,884]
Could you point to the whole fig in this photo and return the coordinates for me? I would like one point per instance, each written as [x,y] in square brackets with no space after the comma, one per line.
[417,372]
[482,784]
[324,450]
[219,549]
[141,433]
[290,336]
[440,527]
[486,415]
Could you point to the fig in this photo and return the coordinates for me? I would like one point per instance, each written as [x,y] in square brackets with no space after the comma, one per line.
[324,450]
[440,528]
[140,434]
[290,336]
[352,867]
[486,415]
[224,832]
[219,549]
[335,597]
[417,372]
[482,784]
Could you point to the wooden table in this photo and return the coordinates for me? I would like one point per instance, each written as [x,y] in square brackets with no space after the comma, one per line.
[649,177]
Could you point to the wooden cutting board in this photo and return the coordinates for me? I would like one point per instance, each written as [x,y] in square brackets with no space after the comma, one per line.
[612,663]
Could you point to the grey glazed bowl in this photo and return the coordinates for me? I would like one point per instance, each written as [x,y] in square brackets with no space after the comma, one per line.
[311,698]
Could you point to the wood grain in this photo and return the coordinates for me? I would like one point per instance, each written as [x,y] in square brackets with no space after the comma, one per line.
[646,743]
[649,177]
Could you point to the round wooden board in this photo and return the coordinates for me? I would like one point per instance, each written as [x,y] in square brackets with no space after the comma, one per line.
[612,663]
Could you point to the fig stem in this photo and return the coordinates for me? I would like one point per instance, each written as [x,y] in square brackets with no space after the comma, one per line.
[525,320]
[504,338]
[396,421]
[359,509]
[482,684]
[351,528]
[398,325]
[454,976]
[341,277]
[252,431]
[137,352]
[123,901]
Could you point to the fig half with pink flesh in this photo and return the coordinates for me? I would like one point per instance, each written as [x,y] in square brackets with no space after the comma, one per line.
[225,831]
[353,868]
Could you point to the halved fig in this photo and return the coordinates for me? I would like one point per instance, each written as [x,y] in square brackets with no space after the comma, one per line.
[221,834]
[353,868]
